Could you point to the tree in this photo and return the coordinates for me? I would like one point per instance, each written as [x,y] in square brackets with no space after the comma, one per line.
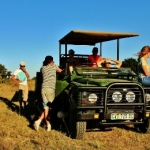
[130,62]
[4,73]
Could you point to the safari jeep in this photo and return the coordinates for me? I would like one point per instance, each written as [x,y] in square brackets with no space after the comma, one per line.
[98,97]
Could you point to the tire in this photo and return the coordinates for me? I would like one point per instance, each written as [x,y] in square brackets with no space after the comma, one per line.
[79,130]
[143,128]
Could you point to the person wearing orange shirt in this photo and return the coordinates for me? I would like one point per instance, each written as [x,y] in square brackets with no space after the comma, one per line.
[94,59]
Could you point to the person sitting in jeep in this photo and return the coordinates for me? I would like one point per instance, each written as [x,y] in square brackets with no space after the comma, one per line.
[107,62]
[94,59]
[71,61]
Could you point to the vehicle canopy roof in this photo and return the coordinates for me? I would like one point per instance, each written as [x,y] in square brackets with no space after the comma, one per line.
[86,37]
[83,37]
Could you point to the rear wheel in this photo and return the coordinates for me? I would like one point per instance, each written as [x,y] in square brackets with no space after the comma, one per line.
[143,128]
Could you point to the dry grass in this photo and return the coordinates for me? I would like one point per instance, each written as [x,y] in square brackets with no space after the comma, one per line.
[17,134]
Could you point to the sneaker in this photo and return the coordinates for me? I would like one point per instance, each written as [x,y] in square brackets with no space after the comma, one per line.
[36,125]
[49,127]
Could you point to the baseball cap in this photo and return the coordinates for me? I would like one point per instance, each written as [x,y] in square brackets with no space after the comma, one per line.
[22,63]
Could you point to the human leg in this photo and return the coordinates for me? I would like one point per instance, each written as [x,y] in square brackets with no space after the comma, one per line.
[44,115]
[48,96]
[46,112]
[20,100]
[25,94]
[20,97]
[38,122]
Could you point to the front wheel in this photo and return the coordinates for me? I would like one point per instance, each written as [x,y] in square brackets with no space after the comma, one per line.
[143,128]
[79,130]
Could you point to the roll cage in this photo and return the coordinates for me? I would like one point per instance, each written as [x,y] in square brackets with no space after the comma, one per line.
[83,37]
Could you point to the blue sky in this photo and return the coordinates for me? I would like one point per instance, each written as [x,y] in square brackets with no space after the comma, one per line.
[31,29]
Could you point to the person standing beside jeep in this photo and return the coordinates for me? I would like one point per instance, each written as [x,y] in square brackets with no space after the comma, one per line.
[94,59]
[144,66]
[20,77]
[48,71]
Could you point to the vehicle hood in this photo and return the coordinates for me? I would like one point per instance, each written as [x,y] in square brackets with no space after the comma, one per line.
[96,82]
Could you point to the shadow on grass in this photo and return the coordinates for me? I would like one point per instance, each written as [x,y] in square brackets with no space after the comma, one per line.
[128,127]
[32,112]
[29,112]
[99,129]
[11,105]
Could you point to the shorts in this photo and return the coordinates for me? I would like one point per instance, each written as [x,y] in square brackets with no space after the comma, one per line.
[48,96]
[23,92]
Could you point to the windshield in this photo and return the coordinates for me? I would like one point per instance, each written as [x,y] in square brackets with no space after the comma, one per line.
[101,72]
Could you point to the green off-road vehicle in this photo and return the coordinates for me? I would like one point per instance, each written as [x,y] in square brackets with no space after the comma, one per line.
[95,98]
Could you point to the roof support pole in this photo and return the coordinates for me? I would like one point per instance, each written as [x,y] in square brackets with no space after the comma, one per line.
[66,49]
[100,48]
[59,52]
[117,49]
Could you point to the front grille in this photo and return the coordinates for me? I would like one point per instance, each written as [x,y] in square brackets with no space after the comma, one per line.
[122,91]
[104,95]
[147,97]
[100,95]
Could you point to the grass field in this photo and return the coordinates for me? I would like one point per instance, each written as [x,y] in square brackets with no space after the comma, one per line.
[17,133]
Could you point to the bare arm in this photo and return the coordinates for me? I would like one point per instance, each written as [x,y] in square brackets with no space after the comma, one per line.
[59,70]
[15,80]
[99,63]
[25,71]
[118,63]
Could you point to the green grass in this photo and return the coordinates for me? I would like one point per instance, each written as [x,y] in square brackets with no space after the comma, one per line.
[16,132]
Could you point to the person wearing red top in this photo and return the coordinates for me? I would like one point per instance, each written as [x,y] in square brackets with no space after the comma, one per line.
[94,59]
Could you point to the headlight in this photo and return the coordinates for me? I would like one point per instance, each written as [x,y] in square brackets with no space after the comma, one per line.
[117,96]
[84,94]
[147,97]
[130,96]
[92,98]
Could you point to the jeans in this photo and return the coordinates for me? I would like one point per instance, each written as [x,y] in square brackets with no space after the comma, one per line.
[145,81]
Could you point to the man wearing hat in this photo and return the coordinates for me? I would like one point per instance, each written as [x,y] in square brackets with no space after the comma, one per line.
[20,77]
[94,59]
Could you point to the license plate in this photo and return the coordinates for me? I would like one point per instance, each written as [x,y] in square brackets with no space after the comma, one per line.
[122,116]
